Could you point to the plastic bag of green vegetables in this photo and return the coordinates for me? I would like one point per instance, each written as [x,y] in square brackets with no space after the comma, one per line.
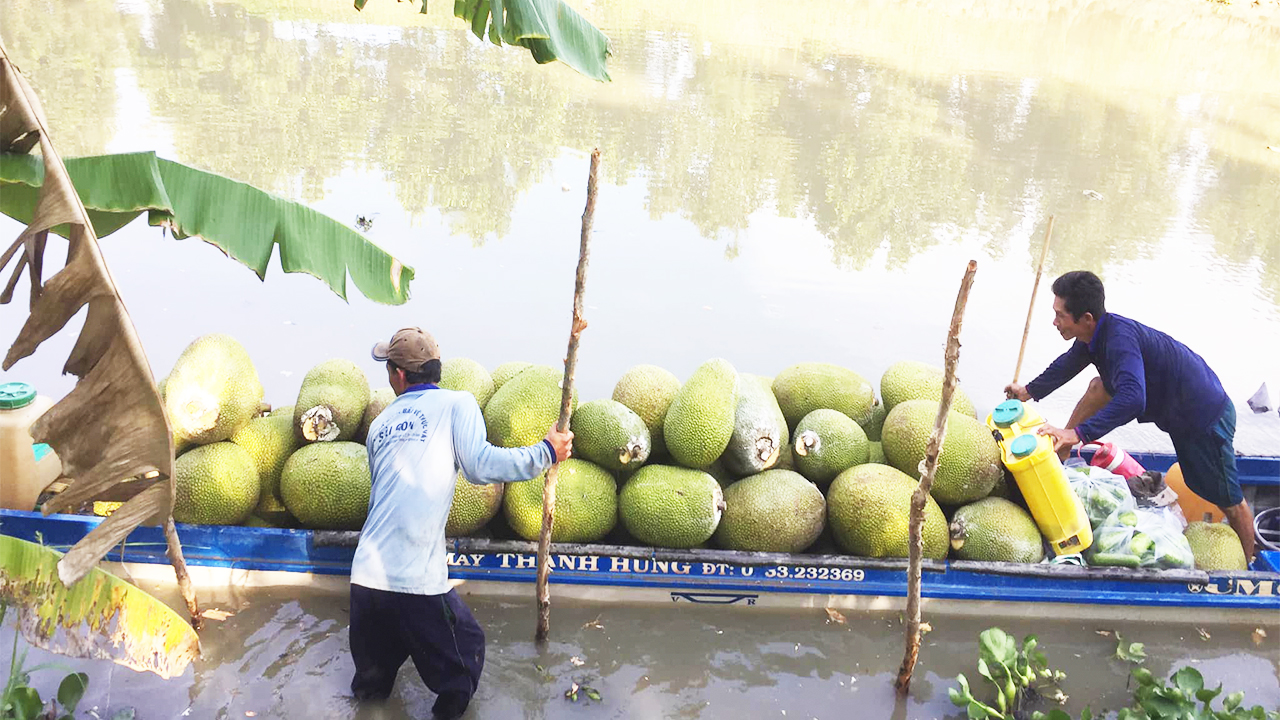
[1102,492]
[1141,537]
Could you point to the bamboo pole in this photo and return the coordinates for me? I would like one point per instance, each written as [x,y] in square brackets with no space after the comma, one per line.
[566,400]
[928,467]
[179,563]
[1026,330]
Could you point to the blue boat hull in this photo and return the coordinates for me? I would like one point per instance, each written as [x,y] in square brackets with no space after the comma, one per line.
[270,556]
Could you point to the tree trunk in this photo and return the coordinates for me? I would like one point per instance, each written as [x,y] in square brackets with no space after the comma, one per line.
[566,401]
[928,467]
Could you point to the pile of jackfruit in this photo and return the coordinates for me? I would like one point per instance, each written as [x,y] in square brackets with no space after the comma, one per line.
[807,461]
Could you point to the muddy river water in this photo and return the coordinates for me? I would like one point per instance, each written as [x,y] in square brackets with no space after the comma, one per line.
[285,654]
[782,182]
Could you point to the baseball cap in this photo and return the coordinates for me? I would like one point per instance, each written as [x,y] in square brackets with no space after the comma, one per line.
[410,348]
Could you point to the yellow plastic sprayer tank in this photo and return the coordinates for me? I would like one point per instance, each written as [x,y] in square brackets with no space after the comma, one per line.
[1039,474]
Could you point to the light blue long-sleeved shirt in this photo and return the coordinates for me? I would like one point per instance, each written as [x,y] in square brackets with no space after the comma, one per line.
[416,448]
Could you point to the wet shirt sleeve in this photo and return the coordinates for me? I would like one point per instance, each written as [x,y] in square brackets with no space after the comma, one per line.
[1068,365]
[484,463]
[1127,375]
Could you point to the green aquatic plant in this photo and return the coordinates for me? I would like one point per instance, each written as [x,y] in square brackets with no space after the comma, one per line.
[1019,675]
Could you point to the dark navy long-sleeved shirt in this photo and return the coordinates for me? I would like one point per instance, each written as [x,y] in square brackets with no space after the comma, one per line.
[1149,375]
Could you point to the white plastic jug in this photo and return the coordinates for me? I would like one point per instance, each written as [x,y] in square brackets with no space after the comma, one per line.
[22,478]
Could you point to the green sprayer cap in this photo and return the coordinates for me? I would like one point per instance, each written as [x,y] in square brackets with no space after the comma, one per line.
[14,395]
[1007,413]
[1024,445]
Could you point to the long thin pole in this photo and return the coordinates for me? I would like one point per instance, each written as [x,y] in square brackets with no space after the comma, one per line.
[566,400]
[1026,330]
[928,468]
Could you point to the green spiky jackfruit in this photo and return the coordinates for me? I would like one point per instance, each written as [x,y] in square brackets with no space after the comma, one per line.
[759,429]
[671,507]
[586,504]
[521,412]
[968,467]
[774,511]
[505,372]
[331,402]
[912,380]
[803,388]
[828,443]
[1215,546]
[609,434]
[699,421]
[269,441]
[461,373]
[873,426]
[215,484]
[648,390]
[212,392]
[378,401]
[995,530]
[473,506]
[869,511]
[326,485]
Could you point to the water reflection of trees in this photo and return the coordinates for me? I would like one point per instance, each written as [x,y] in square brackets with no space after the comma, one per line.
[877,156]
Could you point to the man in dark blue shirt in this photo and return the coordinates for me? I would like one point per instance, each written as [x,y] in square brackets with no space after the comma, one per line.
[1146,375]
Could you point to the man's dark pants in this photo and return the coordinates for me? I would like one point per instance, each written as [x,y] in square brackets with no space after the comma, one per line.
[437,631]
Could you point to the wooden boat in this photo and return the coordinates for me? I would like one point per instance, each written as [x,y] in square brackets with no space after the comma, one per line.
[238,557]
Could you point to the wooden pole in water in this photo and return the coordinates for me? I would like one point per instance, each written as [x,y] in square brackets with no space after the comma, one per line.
[928,467]
[179,563]
[566,400]
[1026,330]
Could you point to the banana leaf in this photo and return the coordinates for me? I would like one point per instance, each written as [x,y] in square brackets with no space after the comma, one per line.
[100,617]
[549,29]
[244,222]
[110,431]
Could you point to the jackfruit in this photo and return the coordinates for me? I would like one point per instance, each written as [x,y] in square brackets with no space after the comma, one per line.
[586,504]
[461,373]
[331,402]
[269,441]
[875,453]
[522,411]
[995,530]
[869,511]
[969,465]
[774,511]
[506,371]
[873,426]
[378,401]
[699,421]
[1215,546]
[326,485]
[671,507]
[911,380]
[473,506]
[609,434]
[286,410]
[215,484]
[759,429]
[212,392]
[828,443]
[801,389]
[648,390]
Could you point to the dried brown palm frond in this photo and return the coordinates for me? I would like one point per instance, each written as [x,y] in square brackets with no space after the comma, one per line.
[110,431]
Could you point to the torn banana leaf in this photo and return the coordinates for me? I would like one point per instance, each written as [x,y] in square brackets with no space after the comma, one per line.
[100,617]
[244,222]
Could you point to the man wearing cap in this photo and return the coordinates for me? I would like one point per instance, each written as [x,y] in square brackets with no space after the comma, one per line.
[401,603]
[1146,375]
